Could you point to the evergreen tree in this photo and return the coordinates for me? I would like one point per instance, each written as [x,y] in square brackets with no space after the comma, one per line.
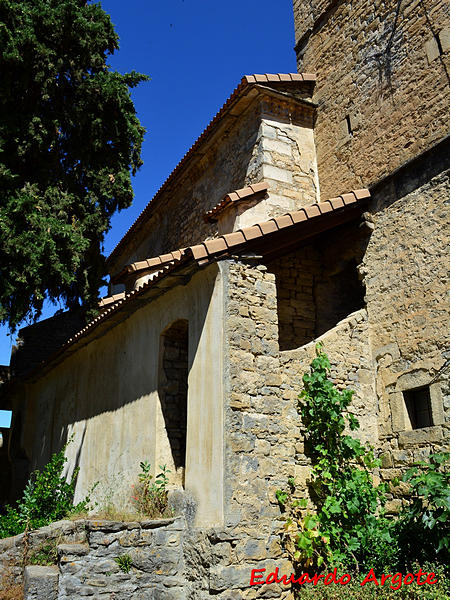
[69,139]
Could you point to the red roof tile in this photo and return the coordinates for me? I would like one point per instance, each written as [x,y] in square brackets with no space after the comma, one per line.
[245,193]
[246,81]
[212,249]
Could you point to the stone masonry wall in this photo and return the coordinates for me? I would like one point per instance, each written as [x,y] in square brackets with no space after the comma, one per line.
[318,285]
[383,74]
[272,141]
[264,445]
[294,279]
[406,277]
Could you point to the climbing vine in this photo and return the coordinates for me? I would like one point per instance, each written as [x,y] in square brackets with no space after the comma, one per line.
[345,524]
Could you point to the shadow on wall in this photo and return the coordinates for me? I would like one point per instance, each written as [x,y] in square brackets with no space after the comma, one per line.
[319,284]
[142,358]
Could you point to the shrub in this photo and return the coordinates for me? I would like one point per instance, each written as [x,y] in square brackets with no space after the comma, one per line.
[46,554]
[47,497]
[354,591]
[423,526]
[150,498]
[348,526]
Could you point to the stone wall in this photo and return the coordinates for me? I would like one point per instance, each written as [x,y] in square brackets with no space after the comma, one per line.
[272,140]
[406,278]
[318,285]
[16,551]
[382,83]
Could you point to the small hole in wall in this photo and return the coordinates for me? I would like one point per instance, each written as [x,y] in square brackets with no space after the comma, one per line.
[349,125]
[418,405]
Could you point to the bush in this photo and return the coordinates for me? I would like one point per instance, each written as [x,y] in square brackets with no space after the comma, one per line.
[150,498]
[348,527]
[354,591]
[423,526]
[47,497]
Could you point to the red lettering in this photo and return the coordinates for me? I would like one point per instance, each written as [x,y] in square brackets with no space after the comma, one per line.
[252,577]
[331,577]
[419,575]
[304,578]
[317,578]
[274,576]
[406,582]
[370,577]
[384,577]
[396,581]
[429,577]
[341,579]
[285,581]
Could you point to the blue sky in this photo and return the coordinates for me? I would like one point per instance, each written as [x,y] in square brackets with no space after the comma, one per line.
[195,52]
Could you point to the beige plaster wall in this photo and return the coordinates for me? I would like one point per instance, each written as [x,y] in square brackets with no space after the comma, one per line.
[106,397]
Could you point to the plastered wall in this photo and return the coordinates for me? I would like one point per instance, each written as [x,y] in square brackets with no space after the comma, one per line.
[106,397]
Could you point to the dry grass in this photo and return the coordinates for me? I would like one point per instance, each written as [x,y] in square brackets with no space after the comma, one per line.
[9,590]
[107,514]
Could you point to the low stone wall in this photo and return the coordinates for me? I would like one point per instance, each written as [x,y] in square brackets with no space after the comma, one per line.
[153,549]
[166,560]
[14,550]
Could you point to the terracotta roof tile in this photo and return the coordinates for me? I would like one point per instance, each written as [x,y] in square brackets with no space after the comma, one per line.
[312,211]
[360,194]
[299,215]
[251,233]
[202,252]
[229,240]
[348,198]
[325,207]
[235,238]
[246,81]
[268,227]
[337,203]
[284,221]
[149,264]
[242,194]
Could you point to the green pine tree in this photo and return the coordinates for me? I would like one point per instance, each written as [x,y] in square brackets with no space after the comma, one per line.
[69,141]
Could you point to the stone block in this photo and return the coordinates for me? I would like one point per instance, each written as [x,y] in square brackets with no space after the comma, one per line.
[444,38]
[431,49]
[426,435]
[271,172]
[398,411]
[72,550]
[41,583]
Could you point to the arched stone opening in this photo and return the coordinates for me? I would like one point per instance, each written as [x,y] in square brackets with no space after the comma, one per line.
[173,391]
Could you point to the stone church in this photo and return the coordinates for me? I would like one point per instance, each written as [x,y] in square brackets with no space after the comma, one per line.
[313,207]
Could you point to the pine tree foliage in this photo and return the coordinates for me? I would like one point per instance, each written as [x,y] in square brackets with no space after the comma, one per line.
[69,141]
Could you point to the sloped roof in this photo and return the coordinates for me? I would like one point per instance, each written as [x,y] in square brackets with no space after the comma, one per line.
[259,236]
[245,193]
[247,83]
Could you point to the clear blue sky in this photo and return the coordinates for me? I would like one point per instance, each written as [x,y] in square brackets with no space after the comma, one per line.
[195,52]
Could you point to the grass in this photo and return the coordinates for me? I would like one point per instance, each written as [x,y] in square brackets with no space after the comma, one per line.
[9,590]
[354,590]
